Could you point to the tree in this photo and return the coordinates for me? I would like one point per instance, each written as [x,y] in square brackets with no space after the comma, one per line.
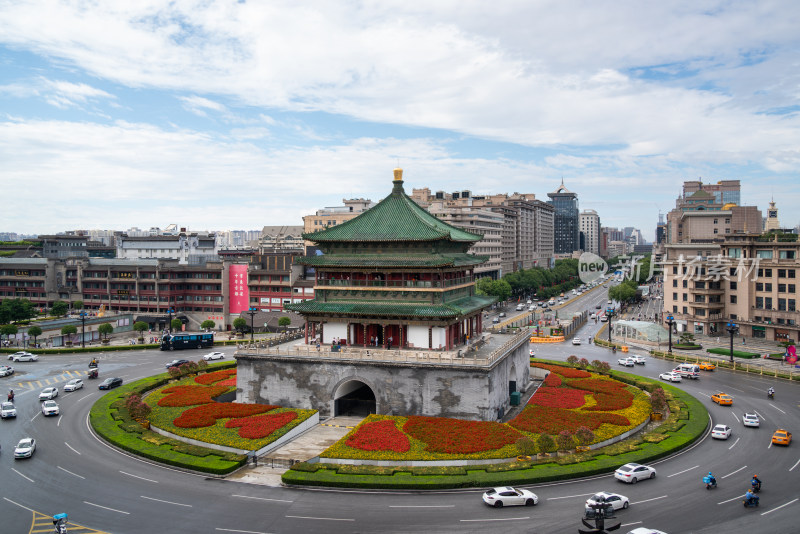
[8,330]
[208,324]
[69,330]
[176,325]
[583,363]
[16,310]
[658,400]
[77,305]
[141,326]
[284,321]
[546,443]
[60,308]
[34,332]
[240,323]
[584,435]
[105,329]
[601,366]
[565,440]
[526,446]
[572,360]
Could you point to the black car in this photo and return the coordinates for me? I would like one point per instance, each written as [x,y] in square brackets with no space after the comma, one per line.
[176,363]
[110,383]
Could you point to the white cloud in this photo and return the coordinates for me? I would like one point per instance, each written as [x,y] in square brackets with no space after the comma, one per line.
[198,105]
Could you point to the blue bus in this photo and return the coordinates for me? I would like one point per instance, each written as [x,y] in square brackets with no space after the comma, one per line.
[187,341]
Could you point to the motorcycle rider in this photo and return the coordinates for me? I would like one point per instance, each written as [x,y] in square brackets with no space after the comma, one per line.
[771,392]
[11,396]
[756,483]
[712,481]
[750,497]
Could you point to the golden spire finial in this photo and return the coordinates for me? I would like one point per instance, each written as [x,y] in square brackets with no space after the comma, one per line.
[398,174]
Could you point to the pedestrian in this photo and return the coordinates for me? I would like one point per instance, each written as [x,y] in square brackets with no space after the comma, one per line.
[743,340]
[389,344]
[717,339]
[372,340]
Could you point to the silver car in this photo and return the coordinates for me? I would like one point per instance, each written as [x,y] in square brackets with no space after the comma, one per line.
[48,393]
[74,384]
[751,419]
[23,356]
[25,448]
[6,370]
[50,407]
[7,410]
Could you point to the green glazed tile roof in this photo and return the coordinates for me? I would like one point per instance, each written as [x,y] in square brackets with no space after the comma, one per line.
[395,218]
[393,309]
[380,260]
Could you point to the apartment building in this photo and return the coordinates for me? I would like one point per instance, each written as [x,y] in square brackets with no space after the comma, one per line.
[184,247]
[590,228]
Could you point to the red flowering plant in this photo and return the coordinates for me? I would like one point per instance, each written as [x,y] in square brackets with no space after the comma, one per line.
[455,436]
[552,380]
[566,372]
[215,376]
[190,395]
[559,397]
[546,419]
[379,436]
[207,414]
[261,426]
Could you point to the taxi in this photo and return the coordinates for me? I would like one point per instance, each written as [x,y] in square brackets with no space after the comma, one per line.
[707,366]
[781,437]
[723,399]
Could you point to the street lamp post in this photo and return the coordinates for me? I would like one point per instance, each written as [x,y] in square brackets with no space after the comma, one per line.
[252,313]
[83,329]
[670,323]
[169,323]
[609,313]
[732,329]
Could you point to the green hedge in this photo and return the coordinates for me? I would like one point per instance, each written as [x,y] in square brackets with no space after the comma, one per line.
[111,421]
[688,420]
[736,353]
[686,347]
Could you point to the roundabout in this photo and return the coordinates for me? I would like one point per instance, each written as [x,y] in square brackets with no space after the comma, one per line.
[108,490]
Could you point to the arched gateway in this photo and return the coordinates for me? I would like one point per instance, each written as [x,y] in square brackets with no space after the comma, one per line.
[354,397]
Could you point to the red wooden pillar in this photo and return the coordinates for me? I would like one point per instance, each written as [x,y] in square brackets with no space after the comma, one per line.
[306,331]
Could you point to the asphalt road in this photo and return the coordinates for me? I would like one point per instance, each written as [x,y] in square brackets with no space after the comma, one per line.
[104,489]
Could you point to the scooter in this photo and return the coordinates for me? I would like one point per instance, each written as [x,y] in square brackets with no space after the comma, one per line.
[60,522]
[753,502]
[710,482]
[756,486]
[771,394]
[614,350]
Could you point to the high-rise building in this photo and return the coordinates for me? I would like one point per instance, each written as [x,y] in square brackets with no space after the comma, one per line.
[590,227]
[566,226]
[724,191]
[772,222]
[334,215]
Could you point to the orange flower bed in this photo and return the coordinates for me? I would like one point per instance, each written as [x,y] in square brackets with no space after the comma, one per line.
[379,436]
[207,414]
[191,395]
[262,425]
[216,376]
[454,436]
[229,382]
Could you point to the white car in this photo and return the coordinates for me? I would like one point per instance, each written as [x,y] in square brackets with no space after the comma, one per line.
[508,496]
[644,530]
[614,499]
[214,356]
[7,410]
[74,384]
[50,407]
[637,359]
[751,419]
[25,448]
[721,432]
[633,473]
[48,393]
[576,341]
[23,356]
[670,376]
[6,370]
[532,353]
[627,362]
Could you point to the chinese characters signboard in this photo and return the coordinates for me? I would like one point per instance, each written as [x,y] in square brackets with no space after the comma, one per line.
[238,292]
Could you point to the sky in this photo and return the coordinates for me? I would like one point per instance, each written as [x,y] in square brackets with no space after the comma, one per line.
[225,115]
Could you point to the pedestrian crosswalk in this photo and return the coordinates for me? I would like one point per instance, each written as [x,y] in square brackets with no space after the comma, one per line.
[52,381]
[44,523]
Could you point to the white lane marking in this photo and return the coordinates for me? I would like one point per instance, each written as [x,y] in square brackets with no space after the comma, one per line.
[735,389]
[140,478]
[795,465]
[424,506]
[681,472]
[84,397]
[165,502]
[729,474]
[242,531]
[500,519]
[70,472]
[770,444]
[629,524]
[734,444]
[23,476]
[778,409]
[737,418]
[18,504]
[73,450]
[735,498]
[35,416]
[569,496]
[760,416]
[648,500]
[59,420]
[106,508]
[779,507]
[704,394]
[261,498]
[318,518]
